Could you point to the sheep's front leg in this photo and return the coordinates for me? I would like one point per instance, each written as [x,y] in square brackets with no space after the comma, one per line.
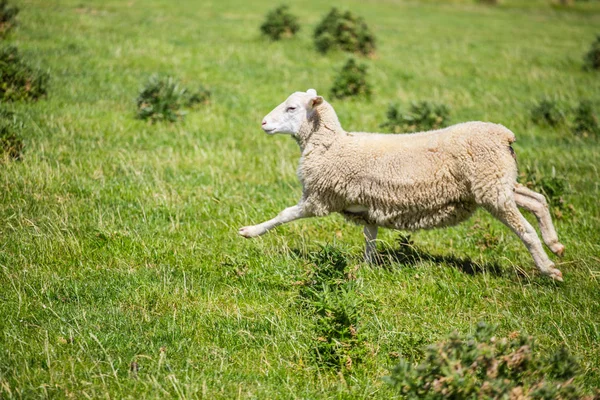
[287,215]
[370,233]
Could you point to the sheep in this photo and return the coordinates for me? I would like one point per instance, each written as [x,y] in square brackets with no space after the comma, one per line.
[408,181]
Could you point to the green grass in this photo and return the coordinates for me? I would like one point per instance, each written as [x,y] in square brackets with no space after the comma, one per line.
[118,239]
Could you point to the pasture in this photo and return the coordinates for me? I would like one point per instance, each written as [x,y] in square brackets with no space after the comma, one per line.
[122,274]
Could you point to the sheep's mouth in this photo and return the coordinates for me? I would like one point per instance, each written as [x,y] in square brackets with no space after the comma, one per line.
[269,131]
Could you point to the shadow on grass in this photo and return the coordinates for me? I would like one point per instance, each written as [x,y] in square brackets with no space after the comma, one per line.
[409,255]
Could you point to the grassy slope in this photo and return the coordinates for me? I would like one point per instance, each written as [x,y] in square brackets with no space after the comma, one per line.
[118,239]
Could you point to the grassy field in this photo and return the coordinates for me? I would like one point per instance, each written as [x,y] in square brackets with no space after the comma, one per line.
[121,271]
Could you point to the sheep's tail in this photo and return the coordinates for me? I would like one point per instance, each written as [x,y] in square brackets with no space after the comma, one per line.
[509,135]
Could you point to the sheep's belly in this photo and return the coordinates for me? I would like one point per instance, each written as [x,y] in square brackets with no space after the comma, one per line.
[414,218]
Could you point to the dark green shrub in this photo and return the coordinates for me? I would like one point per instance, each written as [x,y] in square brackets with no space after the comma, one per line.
[330,291]
[7,17]
[351,81]
[547,112]
[11,144]
[200,96]
[592,58]
[328,268]
[163,98]
[19,81]
[344,31]
[586,122]
[421,117]
[330,265]
[339,342]
[280,23]
[483,366]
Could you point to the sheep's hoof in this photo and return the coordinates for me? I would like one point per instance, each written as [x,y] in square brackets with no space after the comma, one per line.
[248,232]
[555,274]
[558,249]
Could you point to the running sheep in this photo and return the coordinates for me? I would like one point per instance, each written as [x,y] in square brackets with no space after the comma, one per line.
[409,181]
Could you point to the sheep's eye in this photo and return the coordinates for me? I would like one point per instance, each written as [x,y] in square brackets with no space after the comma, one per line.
[290,109]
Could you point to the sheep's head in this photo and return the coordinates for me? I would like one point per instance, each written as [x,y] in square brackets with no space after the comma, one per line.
[289,116]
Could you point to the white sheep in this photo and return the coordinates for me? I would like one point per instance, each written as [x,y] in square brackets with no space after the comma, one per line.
[408,181]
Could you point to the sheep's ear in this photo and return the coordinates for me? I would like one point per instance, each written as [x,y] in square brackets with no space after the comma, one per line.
[312,92]
[315,101]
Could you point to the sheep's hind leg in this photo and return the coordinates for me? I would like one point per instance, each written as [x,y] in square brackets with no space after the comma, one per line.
[536,203]
[509,214]
[370,233]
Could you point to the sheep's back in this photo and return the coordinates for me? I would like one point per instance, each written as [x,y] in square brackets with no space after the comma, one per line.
[410,173]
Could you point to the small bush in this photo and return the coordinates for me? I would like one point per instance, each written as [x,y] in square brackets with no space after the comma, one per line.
[19,81]
[586,122]
[280,23]
[592,58]
[200,96]
[11,144]
[421,117]
[330,291]
[351,81]
[7,17]
[339,342]
[163,98]
[344,31]
[329,266]
[547,112]
[482,366]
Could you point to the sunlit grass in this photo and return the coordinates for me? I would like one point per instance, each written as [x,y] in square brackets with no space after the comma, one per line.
[121,272]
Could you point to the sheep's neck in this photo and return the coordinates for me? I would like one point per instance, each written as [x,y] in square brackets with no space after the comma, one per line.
[320,129]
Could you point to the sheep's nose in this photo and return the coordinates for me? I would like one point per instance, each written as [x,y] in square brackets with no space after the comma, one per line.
[264,122]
